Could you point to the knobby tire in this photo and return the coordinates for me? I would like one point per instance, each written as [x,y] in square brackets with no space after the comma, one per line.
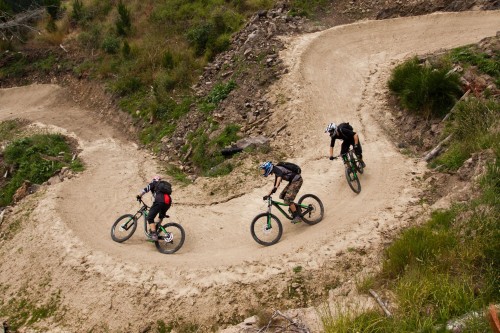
[259,230]
[317,212]
[124,221]
[164,244]
[354,184]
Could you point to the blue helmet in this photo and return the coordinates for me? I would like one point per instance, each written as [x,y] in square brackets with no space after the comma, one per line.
[267,167]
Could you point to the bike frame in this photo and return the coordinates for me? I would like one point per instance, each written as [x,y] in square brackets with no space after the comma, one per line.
[278,204]
[143,211]
[349,158]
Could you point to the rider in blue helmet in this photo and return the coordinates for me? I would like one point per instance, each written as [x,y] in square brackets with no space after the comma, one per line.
[291,189]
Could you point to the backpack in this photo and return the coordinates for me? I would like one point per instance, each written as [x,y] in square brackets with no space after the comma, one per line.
[345,125]
[290,166]
[163,187]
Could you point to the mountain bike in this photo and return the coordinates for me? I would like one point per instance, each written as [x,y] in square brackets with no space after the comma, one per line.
[353,167]
[266,228]
[171,235]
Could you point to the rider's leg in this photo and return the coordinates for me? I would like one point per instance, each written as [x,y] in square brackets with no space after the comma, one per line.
[344,149]
[293,189]
[359,153]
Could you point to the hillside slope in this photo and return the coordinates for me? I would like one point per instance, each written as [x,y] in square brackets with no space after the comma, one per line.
[221,274]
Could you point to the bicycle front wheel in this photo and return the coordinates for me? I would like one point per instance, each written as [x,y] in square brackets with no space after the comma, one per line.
[352,180]
[266,229]
[123,228]
[314,211]
[171,237]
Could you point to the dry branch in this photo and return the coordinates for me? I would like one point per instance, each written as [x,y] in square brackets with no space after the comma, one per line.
[464,96]
[13,24]
[437,150]
[290,326]
[379,301]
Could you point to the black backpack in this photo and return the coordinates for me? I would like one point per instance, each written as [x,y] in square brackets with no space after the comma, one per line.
[345,125]
[163,187]
[290,166]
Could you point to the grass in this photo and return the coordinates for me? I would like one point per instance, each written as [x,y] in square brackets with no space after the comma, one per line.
[473,125]
[425,90]
[21,311]
[206,153]
[439,271]
[35,159]
[486,63]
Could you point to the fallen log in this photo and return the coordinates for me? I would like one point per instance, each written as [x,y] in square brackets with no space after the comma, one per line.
[437,150]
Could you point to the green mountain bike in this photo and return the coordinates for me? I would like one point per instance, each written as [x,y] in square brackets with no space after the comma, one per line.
[171,235]
[352,169]
[266,228]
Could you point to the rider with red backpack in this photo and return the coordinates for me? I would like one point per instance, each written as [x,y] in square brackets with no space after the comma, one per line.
[161,191]
[289,172]
[345,132]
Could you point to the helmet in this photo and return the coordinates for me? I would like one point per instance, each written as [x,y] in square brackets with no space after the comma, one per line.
[331,127]
[156,178]
[267,167]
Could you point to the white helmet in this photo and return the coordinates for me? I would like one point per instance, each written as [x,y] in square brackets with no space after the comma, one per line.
[331,128]
[156,178]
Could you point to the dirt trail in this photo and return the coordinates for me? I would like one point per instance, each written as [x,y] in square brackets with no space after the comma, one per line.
[335,75]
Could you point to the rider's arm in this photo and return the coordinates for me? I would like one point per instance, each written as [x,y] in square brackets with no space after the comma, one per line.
[277,183]
[356,139]
[147,189]
[332,144]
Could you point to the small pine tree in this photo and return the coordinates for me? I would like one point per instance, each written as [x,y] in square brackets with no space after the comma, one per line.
[53,7]
[123,23]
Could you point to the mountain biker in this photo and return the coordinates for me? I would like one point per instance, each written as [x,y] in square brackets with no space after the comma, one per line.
[345,132]
[291,189]
[161,204]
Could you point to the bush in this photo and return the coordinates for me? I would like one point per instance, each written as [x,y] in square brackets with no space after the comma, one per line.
[123,24]
[111,44]
[425,90]
[220,91]
[78,13]
[53,7]
[34,159]
[89,39]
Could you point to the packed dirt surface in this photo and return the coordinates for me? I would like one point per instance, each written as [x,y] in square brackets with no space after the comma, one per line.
[221,273]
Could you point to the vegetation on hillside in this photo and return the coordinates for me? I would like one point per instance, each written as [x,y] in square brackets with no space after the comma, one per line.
[450,266]
[33,158]
[148,54]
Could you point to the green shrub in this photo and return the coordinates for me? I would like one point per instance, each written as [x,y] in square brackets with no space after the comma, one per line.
[34,159]
[78,12]
[89,39]
[424,90]
[228,135]
[127,85]
[111,44]
[123,23]
[220,91]
[53,7]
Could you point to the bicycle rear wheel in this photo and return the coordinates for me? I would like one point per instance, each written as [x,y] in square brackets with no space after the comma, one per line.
[266,229]
[123,228]
[314,211]
[352,179]
[171,237]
